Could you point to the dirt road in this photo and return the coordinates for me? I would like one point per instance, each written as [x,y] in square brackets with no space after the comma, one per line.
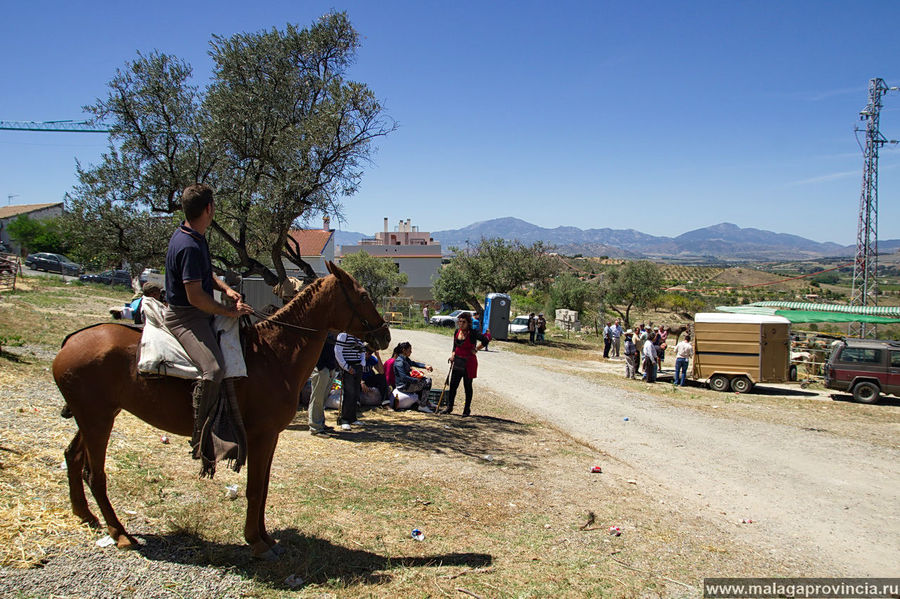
[813,497]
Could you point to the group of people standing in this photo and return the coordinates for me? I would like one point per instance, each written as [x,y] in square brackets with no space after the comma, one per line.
[537,326]
[645,349]
[398,385]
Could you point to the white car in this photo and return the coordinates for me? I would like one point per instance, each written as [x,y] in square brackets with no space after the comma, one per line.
[519,325]
[448,320]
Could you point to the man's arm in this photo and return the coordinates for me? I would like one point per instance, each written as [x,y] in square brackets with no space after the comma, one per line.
[204,301]
[224,288]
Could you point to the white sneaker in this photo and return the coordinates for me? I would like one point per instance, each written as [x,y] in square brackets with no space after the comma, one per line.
[426,409]
[357,423]
[345,427]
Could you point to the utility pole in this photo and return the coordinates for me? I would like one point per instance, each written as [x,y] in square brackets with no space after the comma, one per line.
[865,268]
[10,197]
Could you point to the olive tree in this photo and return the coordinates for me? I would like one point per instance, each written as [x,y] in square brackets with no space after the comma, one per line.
[279,132]
[378,276]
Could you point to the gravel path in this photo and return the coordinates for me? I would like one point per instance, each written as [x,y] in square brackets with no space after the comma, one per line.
[809,494]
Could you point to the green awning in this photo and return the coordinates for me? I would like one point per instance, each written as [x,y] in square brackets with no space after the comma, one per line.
[808,315]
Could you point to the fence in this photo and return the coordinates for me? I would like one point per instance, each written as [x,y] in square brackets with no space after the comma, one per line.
[9,270]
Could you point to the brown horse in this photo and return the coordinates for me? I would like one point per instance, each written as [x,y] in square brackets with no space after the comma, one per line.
[96,372]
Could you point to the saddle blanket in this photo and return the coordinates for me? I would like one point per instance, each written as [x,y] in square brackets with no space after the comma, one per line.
[160,352]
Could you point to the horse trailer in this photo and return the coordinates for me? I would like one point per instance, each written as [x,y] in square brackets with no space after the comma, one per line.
[736,351]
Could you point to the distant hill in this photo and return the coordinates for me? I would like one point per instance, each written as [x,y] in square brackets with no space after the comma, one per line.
[725,242]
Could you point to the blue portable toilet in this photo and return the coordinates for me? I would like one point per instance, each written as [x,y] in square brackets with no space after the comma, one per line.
[496,315]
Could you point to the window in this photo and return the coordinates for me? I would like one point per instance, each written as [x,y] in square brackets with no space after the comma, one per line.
[895,359]
[861,354]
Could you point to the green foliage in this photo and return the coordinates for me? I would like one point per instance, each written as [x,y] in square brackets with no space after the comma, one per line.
[528,301]
[570,292]
[379,276]
[499,266]
[633,284]
[279,133]
[687,304]
[38,235]
[452,287]
[828,278]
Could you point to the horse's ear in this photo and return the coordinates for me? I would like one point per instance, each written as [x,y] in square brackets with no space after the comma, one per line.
[330,266]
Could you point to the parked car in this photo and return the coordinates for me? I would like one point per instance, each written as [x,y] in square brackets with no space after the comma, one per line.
[109,277]
[519,325]
[145,274]
[53,263]
[867,368]
[448,320]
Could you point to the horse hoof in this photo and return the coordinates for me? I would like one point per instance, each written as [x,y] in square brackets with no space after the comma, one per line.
[277,549]
[266,556]
[92,523]
[125,543]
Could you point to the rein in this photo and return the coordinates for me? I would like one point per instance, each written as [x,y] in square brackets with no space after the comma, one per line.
[368,328]
[268,318]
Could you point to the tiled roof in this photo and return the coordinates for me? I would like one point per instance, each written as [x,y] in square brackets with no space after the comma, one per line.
[9,211]
[312,241]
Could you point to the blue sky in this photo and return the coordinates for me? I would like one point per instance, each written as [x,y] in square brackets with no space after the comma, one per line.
[657,116]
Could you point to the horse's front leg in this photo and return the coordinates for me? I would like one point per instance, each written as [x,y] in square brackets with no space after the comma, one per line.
[259,460]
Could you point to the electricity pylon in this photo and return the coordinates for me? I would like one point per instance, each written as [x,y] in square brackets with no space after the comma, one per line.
[865,269]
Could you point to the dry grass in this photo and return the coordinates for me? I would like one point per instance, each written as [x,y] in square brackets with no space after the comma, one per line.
[502,498]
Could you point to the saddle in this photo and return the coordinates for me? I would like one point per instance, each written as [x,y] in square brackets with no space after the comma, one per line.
[160,353]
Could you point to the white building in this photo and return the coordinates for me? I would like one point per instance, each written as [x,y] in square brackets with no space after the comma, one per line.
[414,252]
[33,211]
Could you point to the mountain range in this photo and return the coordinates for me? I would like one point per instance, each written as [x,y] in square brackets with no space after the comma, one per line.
[725,242]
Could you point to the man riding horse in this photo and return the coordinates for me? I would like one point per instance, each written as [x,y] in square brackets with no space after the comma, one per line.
[189,292]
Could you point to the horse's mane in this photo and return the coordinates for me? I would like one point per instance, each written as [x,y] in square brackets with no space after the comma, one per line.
[298,304]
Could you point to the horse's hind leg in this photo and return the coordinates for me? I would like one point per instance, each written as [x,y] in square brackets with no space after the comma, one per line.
[95,441]
[75,460]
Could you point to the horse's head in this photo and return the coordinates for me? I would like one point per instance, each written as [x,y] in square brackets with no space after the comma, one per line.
[362,318]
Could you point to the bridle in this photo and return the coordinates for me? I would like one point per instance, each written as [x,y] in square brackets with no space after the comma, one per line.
[368,327]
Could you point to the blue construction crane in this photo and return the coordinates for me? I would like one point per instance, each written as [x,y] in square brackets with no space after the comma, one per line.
[57,126]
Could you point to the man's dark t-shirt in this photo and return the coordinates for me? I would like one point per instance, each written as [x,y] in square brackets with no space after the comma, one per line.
[187,260]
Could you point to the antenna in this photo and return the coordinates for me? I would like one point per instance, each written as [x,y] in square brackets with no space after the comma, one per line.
[865,268]
[10,197]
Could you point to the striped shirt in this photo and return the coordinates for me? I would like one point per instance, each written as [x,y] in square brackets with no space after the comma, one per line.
[349,352]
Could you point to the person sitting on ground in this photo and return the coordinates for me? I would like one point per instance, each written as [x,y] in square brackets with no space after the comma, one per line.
[373,376]
[148,289]
[408,389]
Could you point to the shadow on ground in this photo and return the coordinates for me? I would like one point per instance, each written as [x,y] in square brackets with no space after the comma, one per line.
[883,400]
[473,436]
[317,561]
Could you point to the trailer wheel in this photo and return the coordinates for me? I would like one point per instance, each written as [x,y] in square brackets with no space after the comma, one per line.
[741,384]
[719,382]
[866,392]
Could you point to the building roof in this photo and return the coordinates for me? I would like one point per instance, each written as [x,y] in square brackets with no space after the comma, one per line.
[10,211]
[312,242]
